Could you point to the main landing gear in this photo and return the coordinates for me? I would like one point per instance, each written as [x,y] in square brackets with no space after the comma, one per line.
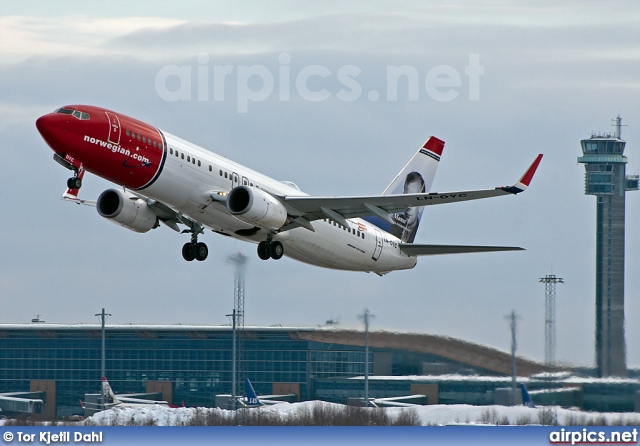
[270,249]
[194,249]
[197,251]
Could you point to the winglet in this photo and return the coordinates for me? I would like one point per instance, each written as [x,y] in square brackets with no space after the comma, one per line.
[525,180]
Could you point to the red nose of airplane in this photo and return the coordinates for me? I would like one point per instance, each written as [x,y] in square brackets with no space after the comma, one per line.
[54,129]
[48,128]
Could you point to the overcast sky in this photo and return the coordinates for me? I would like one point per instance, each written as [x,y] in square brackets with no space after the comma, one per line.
[550,75]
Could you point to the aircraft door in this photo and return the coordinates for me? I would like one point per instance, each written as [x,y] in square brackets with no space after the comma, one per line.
[378,249]
[114,128]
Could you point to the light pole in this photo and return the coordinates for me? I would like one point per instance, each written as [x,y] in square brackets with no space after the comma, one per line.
[233,360]
[366,317]
[103,317]
[514,345]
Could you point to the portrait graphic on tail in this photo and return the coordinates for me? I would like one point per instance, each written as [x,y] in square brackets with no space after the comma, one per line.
[406,223]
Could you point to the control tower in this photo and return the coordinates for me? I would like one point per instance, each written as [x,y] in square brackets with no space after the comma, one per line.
[605,178]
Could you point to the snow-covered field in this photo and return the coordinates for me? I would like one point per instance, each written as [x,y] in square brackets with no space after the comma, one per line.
[426,415]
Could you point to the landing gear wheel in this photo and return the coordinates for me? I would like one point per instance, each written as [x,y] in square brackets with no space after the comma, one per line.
[74,183]
[263,251]
[201,251]
[276,250]
[188,252]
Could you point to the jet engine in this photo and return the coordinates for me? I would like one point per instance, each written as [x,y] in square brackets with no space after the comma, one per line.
[127,210]
[256,207]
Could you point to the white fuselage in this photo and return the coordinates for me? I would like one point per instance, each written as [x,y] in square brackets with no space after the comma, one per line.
[191,174]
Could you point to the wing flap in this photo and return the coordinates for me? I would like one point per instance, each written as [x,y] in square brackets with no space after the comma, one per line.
[433,250]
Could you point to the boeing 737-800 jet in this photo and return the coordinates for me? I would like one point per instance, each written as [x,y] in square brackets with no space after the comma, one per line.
[165,179]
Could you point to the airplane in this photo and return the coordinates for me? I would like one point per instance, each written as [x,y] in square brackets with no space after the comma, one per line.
[252,400]
[167,180]
[111,400]
[526,398]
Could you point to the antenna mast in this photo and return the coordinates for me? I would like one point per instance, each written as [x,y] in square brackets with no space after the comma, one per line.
[617,123]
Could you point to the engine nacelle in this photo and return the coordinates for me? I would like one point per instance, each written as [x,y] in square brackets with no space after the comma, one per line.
[256,207]
[127,210]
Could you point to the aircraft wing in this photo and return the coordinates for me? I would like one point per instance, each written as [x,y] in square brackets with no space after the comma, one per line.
[140,401]
[74,199]
[341,208]
[434,250]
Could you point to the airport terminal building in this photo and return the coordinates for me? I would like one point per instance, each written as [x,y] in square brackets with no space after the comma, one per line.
[193,363]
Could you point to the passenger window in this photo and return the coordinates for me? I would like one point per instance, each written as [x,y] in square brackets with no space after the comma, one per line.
[199,163]
[193,160]
[188,158]
[154,144]
[225,174]
[171,151]
[182,155]
[133,135]
[138,136]
[210,168]
[128,132]
[144,139]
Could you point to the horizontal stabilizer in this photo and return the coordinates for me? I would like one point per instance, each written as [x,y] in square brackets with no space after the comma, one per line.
[434,250]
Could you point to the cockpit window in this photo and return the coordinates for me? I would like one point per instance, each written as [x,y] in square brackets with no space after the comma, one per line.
[76,113]
[81,115]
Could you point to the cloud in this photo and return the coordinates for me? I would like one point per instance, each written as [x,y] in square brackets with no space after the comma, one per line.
[26,36]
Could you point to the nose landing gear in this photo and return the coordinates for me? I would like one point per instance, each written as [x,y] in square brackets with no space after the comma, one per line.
[74,183]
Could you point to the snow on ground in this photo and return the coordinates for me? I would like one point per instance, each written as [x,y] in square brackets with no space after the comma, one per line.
[429,415]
